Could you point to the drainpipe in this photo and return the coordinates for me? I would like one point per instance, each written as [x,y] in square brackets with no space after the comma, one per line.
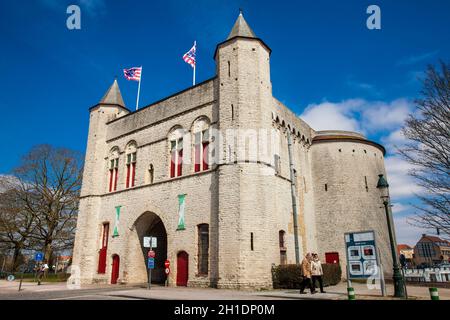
[294,197]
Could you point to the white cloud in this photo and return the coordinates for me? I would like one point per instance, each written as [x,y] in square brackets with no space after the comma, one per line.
[401,185]
[394,139]
[378,116]
[398,207]
[357,115]
[333,116]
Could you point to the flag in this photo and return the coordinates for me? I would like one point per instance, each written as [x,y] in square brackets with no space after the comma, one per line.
[133,73]
[189,57]
[181,204]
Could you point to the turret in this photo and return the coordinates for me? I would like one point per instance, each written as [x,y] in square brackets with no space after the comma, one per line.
[110,107]
[245,102]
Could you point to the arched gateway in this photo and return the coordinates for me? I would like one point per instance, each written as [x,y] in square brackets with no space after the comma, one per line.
[148,224]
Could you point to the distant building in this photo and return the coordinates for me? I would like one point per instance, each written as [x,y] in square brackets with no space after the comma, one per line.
[407,251]
[431,250]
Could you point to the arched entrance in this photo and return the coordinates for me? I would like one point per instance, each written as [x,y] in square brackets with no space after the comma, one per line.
[151,225]
[115,269]
[182,268]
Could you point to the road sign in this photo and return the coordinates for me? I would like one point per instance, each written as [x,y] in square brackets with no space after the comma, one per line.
[39,256]
[167,264]
[10,277]
[362,259]
[150,241]
[151,254]
[151,263]
[167,270]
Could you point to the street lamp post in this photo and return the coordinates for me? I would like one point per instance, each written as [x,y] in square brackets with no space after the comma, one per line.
[399,285]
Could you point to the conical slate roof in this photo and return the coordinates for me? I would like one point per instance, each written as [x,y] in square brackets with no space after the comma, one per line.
[241,29]
[113,95]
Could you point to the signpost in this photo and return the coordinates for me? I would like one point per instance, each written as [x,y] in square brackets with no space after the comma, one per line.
[362,256]
[167,271]
[150,242]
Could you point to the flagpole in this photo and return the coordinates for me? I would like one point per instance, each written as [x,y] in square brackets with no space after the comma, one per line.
[195,63]
[139,91]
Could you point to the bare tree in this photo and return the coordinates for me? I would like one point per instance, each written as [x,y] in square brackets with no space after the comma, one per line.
[428,130]
[46,192]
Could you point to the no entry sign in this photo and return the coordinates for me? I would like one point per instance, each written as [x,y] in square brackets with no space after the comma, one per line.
[167,264]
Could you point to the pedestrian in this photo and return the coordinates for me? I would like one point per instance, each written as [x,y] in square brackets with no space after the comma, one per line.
[41,272]
[317,272]
[306,270]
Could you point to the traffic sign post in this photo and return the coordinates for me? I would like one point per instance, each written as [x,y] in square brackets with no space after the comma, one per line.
[167,271]
[150,242]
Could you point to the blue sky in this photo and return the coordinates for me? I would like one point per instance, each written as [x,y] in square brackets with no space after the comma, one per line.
[326,65]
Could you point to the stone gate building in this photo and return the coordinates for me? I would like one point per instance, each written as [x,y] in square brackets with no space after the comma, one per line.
[206,171]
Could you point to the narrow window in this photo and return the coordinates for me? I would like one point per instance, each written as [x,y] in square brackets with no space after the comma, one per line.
[176,158]
[232,112]
[131,170]
[203,249]
[326,187]
[277,161]
[103,250]
[229,69]
[201,151]
[251,241]
[367,186]
[150,174]
[113,174]
[282,244]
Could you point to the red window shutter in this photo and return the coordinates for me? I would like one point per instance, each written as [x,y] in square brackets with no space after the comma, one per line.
[205,156]
[111,175]
[128,177]
[115,178]
[180,163]
[133,173]
[172,164]
[197,158]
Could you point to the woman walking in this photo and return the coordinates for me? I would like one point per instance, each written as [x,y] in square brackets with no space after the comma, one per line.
[317,272]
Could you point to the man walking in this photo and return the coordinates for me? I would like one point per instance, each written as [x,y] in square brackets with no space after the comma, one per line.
[306,270]
[41,272]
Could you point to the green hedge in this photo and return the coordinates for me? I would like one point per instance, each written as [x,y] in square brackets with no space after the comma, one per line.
[290,276]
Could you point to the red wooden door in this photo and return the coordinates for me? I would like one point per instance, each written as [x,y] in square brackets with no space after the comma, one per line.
[115,269]
[332,257]
[102,253]
[182,268]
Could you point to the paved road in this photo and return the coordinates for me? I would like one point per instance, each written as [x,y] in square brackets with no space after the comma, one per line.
[59,291]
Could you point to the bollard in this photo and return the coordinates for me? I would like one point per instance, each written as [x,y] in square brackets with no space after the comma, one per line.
[351,293]
[434,294]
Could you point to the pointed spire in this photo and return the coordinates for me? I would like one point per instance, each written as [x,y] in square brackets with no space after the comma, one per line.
[113,95]
[241,28]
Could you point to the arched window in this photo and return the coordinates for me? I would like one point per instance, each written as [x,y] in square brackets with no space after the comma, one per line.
[282,243]
[203,248]
[176,152]
[113,169]
[201,144]
[131,164]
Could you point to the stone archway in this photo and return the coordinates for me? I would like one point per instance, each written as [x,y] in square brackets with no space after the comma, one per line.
[148,224]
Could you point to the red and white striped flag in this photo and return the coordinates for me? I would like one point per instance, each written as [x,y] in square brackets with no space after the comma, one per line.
[133,73]
[189,57]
